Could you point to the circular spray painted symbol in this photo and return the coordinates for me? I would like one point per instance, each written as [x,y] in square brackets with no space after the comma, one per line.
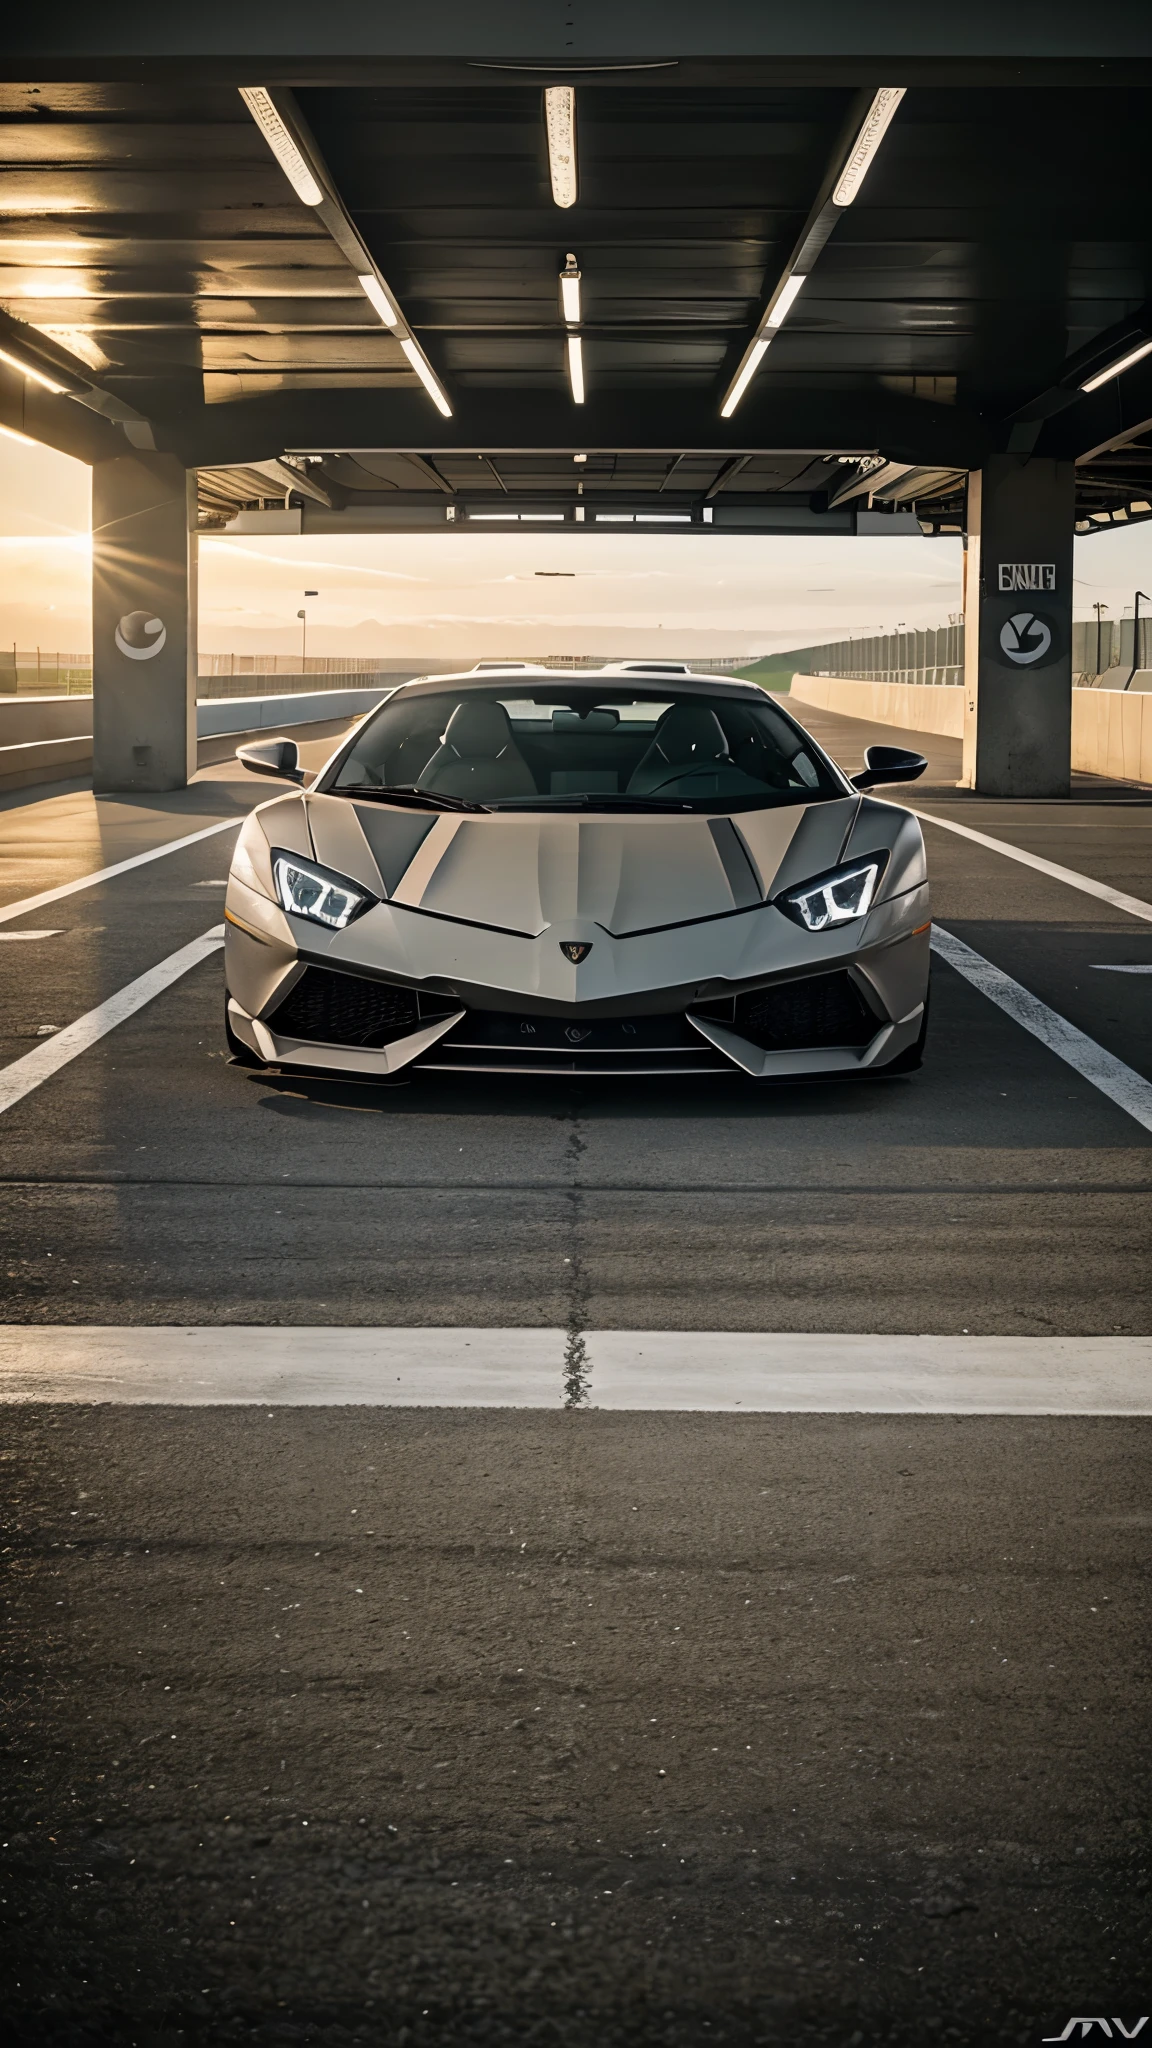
[140,636]
[1025,638]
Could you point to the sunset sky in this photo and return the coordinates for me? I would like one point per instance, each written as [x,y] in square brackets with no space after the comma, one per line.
[465,595]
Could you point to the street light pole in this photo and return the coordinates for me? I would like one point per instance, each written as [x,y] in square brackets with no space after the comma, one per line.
[1098,608]
[1136,635]
[303,639]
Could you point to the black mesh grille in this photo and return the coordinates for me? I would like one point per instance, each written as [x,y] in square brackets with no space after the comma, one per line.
[344,1009]
[822,1010]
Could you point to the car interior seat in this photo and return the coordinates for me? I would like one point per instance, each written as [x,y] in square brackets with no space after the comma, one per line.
[479,758]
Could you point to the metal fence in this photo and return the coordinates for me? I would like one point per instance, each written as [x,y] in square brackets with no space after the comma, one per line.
[934,655]
[36,671]
[1104,649]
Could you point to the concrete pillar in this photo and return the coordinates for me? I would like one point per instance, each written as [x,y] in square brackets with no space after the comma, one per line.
[143,623]
[1018,618]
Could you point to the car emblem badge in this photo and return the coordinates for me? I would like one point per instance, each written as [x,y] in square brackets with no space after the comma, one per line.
[575,950]
[576,1036]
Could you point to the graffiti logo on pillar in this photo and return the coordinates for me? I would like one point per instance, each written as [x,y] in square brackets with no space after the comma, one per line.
[140,636]
[1027,576]
[1025,638]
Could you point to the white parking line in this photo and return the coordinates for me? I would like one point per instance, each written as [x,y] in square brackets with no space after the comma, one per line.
[26,1073]
[743,1372]
[8,911]
[1121,1084]
[1109,967]
[1134,905]
[9,938]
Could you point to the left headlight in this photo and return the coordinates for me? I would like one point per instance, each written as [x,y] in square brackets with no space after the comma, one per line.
[835,898]
[307,890]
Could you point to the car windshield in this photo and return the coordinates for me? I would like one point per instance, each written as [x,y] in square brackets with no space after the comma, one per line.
[585,749]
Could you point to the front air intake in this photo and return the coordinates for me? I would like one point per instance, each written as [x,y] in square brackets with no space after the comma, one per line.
[327,1008]
[817,1013]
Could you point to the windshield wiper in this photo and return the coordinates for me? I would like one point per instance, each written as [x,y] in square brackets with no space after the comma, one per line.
[407,793]
[593,803]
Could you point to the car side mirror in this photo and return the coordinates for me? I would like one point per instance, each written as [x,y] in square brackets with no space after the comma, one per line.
[272,757]
[888,764]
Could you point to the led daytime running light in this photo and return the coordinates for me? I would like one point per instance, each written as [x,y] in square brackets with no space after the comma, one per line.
[834,899]
[316,893]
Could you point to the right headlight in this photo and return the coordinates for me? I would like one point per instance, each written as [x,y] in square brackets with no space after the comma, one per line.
[835,898]
[307,890]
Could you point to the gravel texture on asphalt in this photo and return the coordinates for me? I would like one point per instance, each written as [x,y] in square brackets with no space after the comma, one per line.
[604,1731]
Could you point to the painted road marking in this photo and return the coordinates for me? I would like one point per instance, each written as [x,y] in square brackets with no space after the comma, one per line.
[744,1372]
[27,1073]
[1108,967]
[8,937]
[1134,905]
[138,860]
[1122,1085]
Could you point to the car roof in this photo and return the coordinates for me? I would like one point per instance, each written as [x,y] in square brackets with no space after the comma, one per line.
[588,679]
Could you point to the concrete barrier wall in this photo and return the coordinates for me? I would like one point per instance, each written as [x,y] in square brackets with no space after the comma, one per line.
[914,707]
[1111,729]
[25,719]
[48,739]
[259,714]
[1112,734]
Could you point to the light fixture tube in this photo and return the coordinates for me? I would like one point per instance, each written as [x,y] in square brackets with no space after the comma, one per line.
[426,374]
[785,300]
[871,135]
[26,370]
[576,368]
[560,123]
[1118,368]
[570,291]
[740,384]
[283,144]
[374,291]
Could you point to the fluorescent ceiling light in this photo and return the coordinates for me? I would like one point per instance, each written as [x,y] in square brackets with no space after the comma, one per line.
[560,122]
[576,368]
[570,291]
[283,144]
[26,370]
[740,385]
[615,518]
[665,518]
[426,374]
[867,143]
[1117,368]
[785,300]
[374,290]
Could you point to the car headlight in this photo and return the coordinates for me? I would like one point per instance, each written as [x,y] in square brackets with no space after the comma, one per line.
[835,898]
[307,890]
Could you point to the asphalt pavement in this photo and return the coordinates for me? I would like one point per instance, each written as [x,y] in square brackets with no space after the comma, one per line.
[777,1728]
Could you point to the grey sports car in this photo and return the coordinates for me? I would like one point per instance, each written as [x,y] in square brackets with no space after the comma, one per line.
[621,872]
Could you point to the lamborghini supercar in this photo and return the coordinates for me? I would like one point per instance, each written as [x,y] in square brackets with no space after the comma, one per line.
[630,872]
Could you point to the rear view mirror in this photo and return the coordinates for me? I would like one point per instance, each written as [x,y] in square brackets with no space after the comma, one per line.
[272,757]
[888,764]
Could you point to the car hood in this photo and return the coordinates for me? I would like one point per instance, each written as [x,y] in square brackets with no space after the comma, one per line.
[574,875]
